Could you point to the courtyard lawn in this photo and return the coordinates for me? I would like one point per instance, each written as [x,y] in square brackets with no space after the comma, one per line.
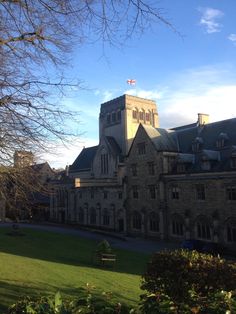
[41,263]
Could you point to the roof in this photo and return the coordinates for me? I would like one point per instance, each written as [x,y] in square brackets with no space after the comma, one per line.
[187,126]
[38,167]
[185,158]
[163,139]
[210,154]
[84,160]
[209,134]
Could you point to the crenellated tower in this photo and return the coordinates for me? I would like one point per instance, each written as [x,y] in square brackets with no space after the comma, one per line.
[120,118]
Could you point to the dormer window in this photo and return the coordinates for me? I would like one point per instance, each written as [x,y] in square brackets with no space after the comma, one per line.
[197,144]
[222,140]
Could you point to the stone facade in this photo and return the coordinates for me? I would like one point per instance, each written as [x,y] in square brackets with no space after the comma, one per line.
[146,181]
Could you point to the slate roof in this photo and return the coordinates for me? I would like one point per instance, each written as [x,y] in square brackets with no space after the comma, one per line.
[163,139]
[84,161]
[185,158]
[209,133]
[38,167]
[187,126]
[210,154]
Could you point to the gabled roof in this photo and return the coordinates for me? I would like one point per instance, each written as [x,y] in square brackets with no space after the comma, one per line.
[39,167]
[163,139]
[84,161]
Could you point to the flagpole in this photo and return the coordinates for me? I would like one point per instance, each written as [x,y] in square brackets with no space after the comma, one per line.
[133,83]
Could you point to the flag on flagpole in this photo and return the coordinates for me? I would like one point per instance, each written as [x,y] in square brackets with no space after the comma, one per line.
[131,82]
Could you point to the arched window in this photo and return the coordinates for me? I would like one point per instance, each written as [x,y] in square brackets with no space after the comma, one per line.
[81,215]
[93,216]
[142,115]
[177,225]
[148,117]
[154,222]
[231,231]
[104,163]
[106,217]
[136,220]
[135,114]
[203,229]
[222,140]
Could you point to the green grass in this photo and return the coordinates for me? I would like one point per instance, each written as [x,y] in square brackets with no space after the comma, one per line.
[41,263]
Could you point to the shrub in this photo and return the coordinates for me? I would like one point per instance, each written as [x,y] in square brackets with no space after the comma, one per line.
[88,302]
[180,273]
[41,305]
[188,282]
[220,302]
[103,247]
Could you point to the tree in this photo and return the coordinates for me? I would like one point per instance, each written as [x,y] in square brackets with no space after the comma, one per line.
[36,37]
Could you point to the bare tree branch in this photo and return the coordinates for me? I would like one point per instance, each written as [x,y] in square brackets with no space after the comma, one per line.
[35,37]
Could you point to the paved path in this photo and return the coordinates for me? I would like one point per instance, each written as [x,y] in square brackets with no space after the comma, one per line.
[115,239]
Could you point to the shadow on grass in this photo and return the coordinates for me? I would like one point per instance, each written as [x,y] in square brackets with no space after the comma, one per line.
[67,249]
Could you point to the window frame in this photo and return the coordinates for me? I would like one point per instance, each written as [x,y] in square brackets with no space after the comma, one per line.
[203,230]
[151,168]
[231,193]
[200,192]
[137,220]
[175,192]
[152,191]
[135,192]
[141,147]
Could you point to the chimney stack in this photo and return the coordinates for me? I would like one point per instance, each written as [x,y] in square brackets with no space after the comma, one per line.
[203,118]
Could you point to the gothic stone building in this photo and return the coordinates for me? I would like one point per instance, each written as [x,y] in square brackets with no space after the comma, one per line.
[147,181]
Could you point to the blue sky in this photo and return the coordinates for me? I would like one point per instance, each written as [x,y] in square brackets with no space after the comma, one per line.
[187,74]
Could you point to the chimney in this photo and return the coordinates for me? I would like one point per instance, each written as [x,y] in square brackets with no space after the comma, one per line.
[203,118]
[67,170]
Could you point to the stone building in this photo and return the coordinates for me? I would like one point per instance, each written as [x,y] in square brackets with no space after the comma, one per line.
[144,180]
[28,197]
[94,191]
[23,158]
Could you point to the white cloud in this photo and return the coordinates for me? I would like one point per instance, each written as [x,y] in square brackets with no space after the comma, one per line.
[232,37]
[63,155]
[209,19]
[149,94]
[205,90]
[218,102]
[107,95]
[209,89]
